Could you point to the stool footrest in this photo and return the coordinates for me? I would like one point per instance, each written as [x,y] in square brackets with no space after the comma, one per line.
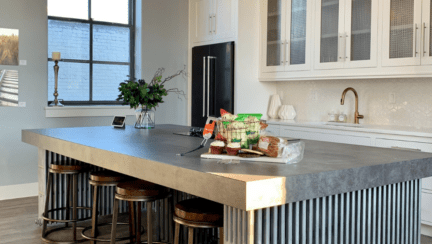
[61,242]
[65,220]
[108,239]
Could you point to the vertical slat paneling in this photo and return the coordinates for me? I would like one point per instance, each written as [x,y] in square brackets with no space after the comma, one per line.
[274,227]
[417,201]
[317,220]
[323,227]
[387,214]
[374,215]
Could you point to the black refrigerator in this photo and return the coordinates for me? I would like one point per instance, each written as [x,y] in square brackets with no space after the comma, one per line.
[212,81]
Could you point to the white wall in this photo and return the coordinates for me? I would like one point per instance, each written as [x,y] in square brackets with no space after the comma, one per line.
[251,96]
[165,44]
[18,161]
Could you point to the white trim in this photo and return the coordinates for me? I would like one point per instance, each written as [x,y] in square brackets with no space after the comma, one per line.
[18,191]
[426,230]
[87,111]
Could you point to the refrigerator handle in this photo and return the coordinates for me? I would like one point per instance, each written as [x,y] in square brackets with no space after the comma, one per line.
[204,78]
[208,86]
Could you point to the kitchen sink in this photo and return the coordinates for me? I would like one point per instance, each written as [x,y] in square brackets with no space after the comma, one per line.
[343,124]
[337,124]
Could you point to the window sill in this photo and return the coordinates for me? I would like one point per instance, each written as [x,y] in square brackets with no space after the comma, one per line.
[87,111]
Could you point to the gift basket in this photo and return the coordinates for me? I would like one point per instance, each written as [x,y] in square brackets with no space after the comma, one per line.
[244,136]
[242,128]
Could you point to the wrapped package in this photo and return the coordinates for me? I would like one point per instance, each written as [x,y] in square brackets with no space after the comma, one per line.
[272,146]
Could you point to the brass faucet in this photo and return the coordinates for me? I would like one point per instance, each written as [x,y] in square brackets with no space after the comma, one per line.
[357,116]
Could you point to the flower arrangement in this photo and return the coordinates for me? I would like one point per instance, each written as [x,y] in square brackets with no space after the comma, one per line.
[147,96]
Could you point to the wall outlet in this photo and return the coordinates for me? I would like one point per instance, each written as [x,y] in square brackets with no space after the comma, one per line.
[22,104]
[23,62]
[392,98]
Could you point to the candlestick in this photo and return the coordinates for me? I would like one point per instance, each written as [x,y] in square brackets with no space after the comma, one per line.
[56,102]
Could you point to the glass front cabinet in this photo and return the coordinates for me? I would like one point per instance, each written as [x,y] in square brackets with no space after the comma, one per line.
[407,33]
[311,39]
[286,35]
[346,34]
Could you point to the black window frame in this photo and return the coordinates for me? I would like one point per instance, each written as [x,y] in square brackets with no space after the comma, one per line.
[132,27]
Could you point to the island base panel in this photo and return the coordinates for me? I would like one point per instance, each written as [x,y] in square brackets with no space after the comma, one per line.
[386,214]
[162,209]
[382,214]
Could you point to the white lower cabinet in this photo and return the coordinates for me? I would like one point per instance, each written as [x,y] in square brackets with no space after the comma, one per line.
[273,130]
[397,142]
[308,135]
[426,207]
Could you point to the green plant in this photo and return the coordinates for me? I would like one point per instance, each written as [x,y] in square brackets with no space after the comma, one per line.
[147,95]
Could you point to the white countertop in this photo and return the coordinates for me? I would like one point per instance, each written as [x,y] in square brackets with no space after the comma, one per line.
[382,129]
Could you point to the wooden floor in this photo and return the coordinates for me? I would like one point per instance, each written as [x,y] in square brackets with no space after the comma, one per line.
[17,223]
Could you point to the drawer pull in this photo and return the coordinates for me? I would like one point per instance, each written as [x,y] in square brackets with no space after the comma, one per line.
[407,149]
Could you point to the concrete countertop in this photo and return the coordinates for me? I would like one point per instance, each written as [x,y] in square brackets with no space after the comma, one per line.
[327,168]
[382,129]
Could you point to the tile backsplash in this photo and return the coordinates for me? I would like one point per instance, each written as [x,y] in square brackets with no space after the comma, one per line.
[313,100]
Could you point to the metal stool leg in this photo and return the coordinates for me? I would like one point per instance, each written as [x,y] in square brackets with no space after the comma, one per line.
[131,221]
[149,223]
[138,225]
[221,235]
[190,237]
[177,233]
[75,203]
[68,198]
[95,212]
[48,193]
[114,221]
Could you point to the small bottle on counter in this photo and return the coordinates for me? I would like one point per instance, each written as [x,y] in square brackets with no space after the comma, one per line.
[332,116]
[342,118]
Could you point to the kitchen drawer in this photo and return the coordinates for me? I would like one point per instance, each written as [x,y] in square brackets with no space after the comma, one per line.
[426,208]
[273,130]
[407,145]
[348,139]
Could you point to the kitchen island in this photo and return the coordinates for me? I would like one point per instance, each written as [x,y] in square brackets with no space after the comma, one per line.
[337,194]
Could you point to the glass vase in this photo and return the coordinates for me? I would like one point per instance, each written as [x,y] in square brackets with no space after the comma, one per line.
[145,118]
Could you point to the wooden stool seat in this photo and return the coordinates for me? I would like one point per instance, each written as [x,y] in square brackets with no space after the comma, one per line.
[140,188]
[107,177]
[198,213]
[199,210]
[136,192]
[66,169]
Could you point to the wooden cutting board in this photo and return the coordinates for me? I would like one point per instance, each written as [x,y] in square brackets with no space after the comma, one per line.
[259,159]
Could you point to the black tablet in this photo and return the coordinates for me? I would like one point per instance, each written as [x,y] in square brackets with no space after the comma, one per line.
[119,121]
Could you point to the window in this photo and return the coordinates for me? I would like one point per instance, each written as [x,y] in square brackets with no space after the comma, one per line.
[96,39]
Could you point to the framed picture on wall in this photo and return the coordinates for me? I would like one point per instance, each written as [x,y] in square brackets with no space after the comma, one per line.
[9,46]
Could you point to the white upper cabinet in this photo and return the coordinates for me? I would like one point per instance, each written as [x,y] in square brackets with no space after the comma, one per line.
[212,19]
[286,35]
[426,33]
[346,34]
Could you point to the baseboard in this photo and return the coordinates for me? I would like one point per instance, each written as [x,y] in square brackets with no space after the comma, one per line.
[426,230]
[18,191]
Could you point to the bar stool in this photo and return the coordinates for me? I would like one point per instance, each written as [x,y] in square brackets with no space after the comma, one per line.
[97,180]
[198,213]
[137,191]
[68,170]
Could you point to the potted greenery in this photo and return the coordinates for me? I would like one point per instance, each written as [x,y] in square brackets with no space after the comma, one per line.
[144,96]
